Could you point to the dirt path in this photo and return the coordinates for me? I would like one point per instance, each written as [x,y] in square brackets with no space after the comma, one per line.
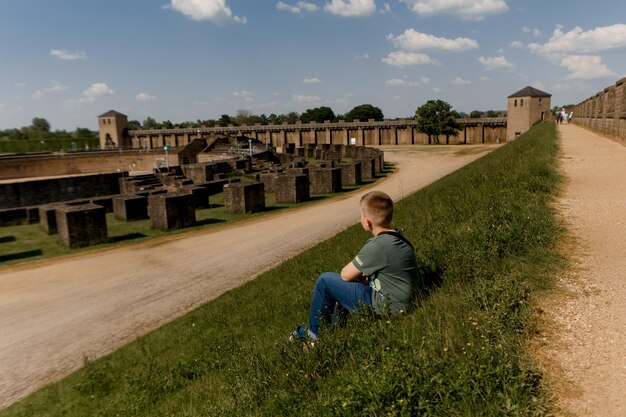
[584,345]
[54,314]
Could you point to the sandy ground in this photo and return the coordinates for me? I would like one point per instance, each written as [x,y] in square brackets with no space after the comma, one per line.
[55,313]
[583,346]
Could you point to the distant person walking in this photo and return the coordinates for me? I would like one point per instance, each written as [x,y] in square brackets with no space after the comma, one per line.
[382,276]
[569,118]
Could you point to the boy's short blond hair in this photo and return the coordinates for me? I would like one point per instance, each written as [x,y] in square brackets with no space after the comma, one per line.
[378,206]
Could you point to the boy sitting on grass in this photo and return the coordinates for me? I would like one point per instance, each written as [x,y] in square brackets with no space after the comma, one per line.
[383,275]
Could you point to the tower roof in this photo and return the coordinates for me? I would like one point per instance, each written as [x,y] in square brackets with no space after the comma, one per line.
[530,92]
[112,113]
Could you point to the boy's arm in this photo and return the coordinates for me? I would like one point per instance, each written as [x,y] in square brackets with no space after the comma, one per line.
[351,273]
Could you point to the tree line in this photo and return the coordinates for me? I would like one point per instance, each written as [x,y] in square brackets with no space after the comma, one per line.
[39,129]
[321,114]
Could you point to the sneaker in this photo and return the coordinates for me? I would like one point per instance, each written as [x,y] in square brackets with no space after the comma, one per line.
[303,334]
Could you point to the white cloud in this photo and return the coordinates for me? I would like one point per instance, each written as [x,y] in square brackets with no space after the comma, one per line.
[437,89]
[585,67]
[91,94]
[483,78]
[350,8]
[98,89]
[396,82]
[413,40]
[297,8]
[364,56]
[386,8]
[460,81]
[20,85]
[579,41]
[311,81]
[144,97]
[463,9]
[536,32]
[215,11]
[55,88]
[402,59]
[496,62]
[517,44]
[425,80]
[242,93]
[3,106]
[297,98]
[67,55]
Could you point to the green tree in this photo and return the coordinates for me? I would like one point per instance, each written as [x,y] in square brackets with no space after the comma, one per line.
[435,118]
[476,114]
[225,120]
[83,133]
[318,114]
[41,124]
[364,112]
[291,118]
[134,124]
[150,123]
[492,113]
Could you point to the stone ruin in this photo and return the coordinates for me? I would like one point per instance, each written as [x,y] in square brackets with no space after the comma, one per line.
[242,198]
[171,210]
[129,207]
[325,180]
[81,225]
[292,188]
[169,197]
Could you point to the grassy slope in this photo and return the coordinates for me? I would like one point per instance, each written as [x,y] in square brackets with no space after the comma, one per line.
[487,231]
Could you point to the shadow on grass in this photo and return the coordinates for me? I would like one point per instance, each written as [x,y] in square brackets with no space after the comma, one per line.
[432,279]
[6,239]
[129,236]
[205,222]
[20,255]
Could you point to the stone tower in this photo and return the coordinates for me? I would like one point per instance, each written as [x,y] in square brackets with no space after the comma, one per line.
[113,127]
[525,108]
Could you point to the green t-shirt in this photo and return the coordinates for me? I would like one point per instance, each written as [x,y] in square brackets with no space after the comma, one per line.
[390,265]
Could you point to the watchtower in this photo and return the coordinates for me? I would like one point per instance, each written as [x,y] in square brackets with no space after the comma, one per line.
[525,108]
[113,128]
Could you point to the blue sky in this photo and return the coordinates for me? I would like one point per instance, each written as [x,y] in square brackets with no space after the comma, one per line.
[71,60]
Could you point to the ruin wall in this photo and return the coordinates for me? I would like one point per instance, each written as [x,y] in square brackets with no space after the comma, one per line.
[605,112]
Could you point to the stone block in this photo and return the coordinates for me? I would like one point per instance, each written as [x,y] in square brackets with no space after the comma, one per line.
[48,219]
[13,216]
[351,173]
[200,173]
[325,180]
[268,181]
[200,197]
[105,201]
[349,152]
[298,171]
[292,188]
[242,198]
[81,225]
[367,168]
[128,207]
[171,210]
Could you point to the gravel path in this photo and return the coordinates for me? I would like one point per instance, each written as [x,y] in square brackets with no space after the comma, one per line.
[54,313]
[584,344]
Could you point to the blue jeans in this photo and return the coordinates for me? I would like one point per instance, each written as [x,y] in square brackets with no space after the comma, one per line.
[333,296]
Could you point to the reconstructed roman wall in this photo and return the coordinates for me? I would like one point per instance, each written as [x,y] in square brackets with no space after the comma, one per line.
[27,166]
[605,112]
[360,133]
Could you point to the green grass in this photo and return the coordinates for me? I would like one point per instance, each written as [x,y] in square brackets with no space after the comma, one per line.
[485,236]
